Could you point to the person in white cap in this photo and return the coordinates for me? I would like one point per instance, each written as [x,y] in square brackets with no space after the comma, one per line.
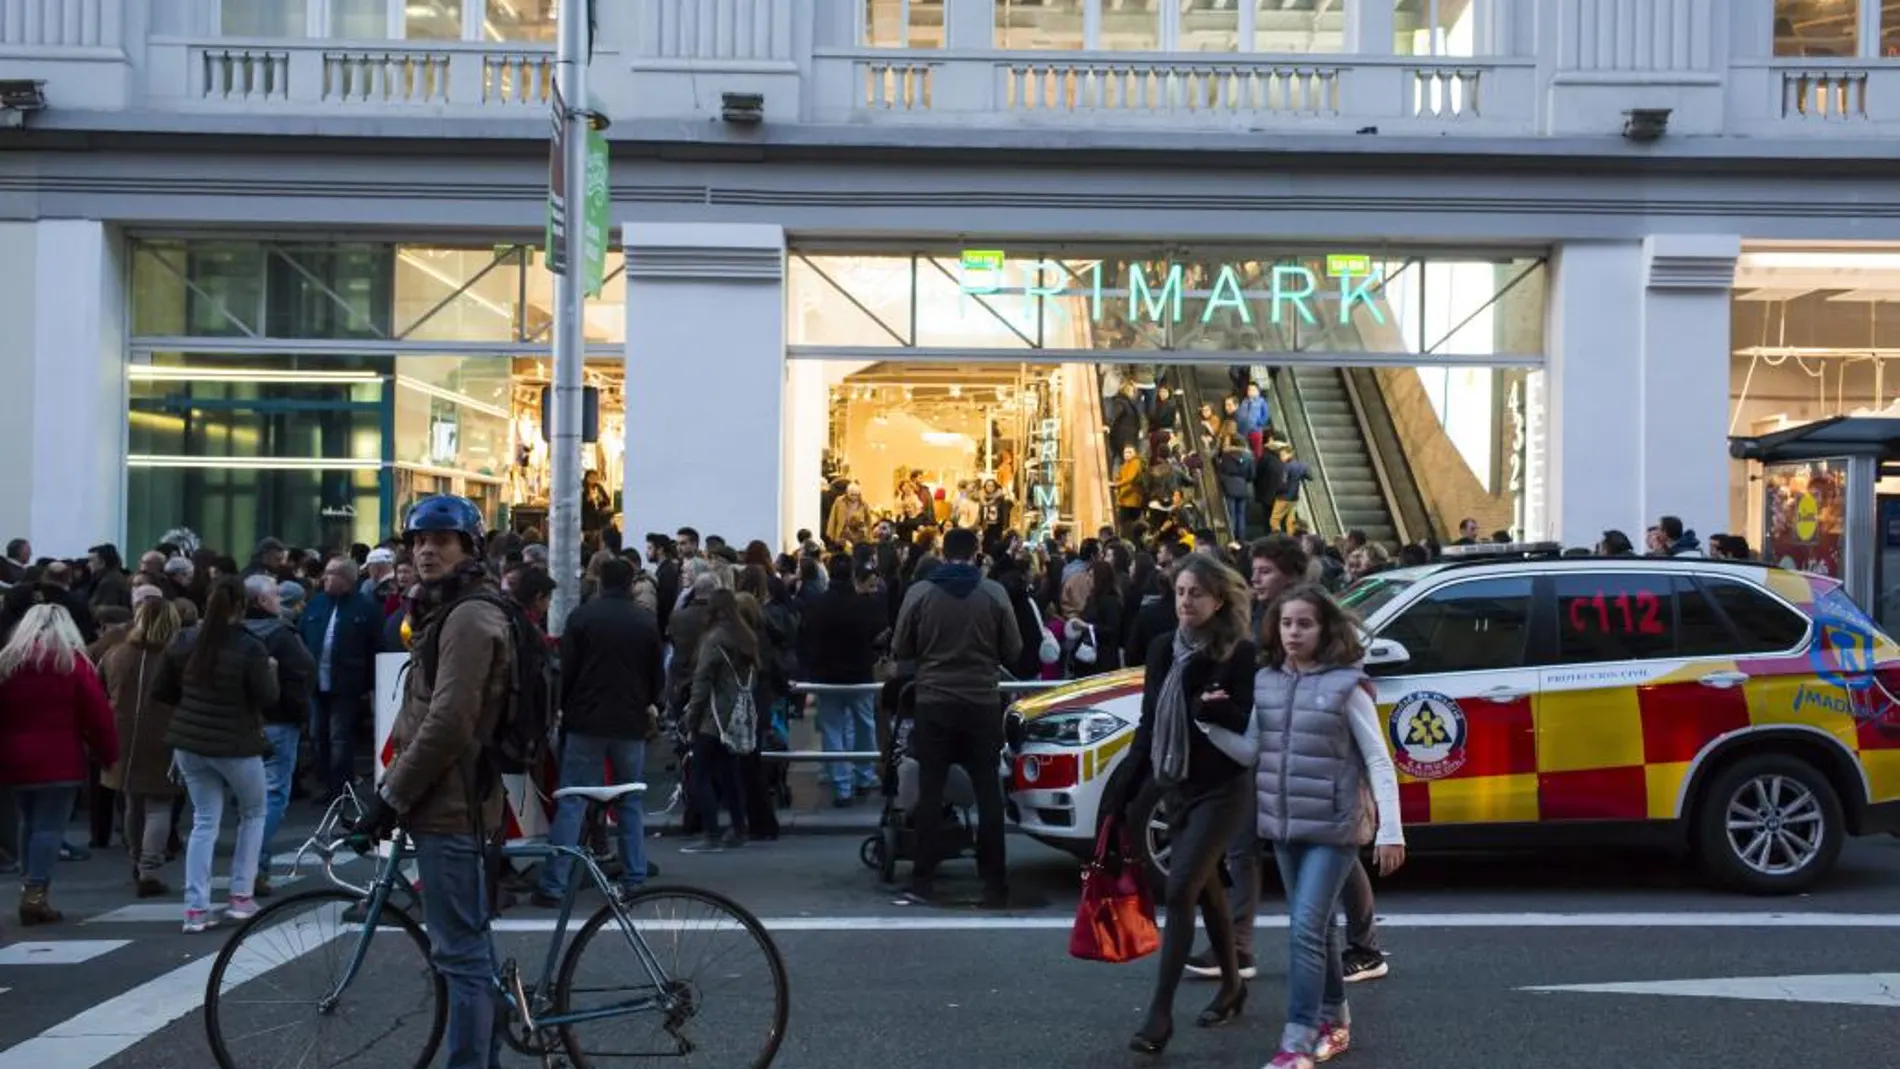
[380,569]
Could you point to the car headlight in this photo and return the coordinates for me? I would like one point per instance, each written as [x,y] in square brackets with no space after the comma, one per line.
[1077,728]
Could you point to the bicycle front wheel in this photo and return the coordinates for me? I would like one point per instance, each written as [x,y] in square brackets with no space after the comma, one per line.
[269,1000]
[720,1001]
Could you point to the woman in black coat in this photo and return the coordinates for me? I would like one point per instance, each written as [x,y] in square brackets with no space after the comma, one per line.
[1193,740]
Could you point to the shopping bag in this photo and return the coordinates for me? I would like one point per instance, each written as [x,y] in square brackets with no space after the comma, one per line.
[1116,921]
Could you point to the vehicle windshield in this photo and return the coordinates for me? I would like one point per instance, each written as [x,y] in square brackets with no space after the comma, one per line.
[1369,595]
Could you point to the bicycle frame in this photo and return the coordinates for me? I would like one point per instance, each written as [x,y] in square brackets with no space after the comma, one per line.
[389,876]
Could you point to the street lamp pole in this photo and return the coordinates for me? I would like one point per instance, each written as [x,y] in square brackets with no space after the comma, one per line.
[571,117]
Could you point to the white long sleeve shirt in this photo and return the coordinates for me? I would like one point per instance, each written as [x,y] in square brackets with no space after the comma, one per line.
[1363,717]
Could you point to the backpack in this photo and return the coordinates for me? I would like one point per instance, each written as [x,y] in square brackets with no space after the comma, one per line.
[522,735]
[740,729]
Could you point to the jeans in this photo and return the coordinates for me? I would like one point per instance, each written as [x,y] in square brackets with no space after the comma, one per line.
[333,721]
[848,722]
[455,910]
[1315,977]
[1198,831]
[938,740]
[1237,516]
[1243,863]
[147,831]
[280,770]
[715,778]
[584,759]
[44,811]
[206,780]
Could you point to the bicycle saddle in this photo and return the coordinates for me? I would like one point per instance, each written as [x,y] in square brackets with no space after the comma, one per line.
[609,793]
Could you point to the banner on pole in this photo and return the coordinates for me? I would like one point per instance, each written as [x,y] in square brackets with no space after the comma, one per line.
[595,210]
[556,251]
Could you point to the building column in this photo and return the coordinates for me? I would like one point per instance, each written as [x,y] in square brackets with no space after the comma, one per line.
[1684,387]
[63,413]
[1592,452]
[705,380]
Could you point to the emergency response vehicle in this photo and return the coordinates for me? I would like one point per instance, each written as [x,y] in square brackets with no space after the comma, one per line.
[1748,713]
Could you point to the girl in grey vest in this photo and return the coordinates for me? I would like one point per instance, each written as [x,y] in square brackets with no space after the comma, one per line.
[1324,787]
[1191,743]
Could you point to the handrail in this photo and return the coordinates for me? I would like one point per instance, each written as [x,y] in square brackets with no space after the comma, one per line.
[1213,502]
[1306,450]
[1374,454]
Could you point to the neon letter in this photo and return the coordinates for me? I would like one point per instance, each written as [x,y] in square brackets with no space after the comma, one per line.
[1298,297]
[1095,291]
[1350,293]
[1227,294]
[1138,293]
[1031,291]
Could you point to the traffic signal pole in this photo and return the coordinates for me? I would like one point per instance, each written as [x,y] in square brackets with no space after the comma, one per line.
[569,173]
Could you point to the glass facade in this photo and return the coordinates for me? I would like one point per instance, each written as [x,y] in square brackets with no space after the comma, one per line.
[1420,27]
[1240,300]
[372,20]
[312,390]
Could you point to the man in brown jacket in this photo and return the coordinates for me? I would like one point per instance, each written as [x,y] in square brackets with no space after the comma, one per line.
[439,786]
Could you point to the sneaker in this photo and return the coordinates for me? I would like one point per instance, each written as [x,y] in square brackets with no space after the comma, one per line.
[241,907]
[1334,1040]
[1291,1059]
[1364,965]
[710,844]
[1203,966]
[197,920]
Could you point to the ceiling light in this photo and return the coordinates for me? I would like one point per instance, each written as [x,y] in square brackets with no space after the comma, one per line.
[1820,261]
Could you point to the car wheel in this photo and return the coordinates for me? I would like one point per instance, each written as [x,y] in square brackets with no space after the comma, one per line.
[1148,819]
[1769,825]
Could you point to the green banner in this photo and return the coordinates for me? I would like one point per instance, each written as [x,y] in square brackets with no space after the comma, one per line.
[596,210]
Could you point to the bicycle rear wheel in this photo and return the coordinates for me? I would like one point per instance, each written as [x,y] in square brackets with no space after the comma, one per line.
[263,999]
[723,977]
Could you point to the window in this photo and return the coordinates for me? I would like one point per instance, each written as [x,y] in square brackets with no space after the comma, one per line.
[1048,25]
[1209,26]
[1433,27]
[520,20]
[1612,616]
[1367,596]
[261,18]
[432,20]
[359,20]
[1700,629]
[1298,26]
[1471,626]
[903,23]
[1821,28]
[1762,624]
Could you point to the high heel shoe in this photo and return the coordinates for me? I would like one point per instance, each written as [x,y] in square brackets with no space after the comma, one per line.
[1223,1009]
[1146,1042]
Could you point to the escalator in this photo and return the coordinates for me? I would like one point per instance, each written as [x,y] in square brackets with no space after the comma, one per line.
[1336,444]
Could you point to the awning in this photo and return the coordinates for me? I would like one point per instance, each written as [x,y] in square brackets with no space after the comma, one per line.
[1839,436]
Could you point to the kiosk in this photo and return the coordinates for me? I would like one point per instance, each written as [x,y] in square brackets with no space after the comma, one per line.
[1829,500]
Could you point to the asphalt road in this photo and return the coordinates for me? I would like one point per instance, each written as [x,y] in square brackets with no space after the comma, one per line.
[876,984]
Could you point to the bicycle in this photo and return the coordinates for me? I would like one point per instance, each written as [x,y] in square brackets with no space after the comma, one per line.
[543,1018]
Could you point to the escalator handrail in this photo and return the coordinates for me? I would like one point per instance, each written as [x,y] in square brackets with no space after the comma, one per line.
[1373,452]
[1306,448]
[1214,503]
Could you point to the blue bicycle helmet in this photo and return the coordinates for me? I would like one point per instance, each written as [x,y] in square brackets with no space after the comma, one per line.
[445,512]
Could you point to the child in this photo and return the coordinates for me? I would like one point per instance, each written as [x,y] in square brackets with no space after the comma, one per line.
[1315,718]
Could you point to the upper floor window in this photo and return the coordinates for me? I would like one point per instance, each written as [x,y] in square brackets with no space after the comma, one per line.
[375,20]
[1419,27]
[1433,27]
[1843,29]
[903,23]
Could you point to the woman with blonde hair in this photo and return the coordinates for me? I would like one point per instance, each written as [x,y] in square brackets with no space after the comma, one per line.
[130,671]
[54,721]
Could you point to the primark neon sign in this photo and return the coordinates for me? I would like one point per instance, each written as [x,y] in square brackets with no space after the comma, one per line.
[1351,281]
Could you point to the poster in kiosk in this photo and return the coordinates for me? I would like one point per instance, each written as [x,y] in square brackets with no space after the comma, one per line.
[529,805]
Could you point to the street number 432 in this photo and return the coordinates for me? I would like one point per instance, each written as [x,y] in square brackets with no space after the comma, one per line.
[1626,614]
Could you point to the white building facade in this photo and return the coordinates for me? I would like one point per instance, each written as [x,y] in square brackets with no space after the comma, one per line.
[272,266]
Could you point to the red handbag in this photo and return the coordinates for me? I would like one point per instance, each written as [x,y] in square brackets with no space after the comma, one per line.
[1116,920]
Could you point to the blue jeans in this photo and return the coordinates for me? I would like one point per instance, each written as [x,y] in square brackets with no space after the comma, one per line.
[455,910]
[206,780]
[1313,874]
[584,759]
[280,768]
[43,811]
[848,722]
[1237,516]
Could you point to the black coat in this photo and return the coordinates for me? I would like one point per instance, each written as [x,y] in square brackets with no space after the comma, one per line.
[1209,769]
[612,668]
[839,635]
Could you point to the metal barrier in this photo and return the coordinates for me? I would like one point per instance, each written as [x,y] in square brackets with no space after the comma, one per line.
[1008,686]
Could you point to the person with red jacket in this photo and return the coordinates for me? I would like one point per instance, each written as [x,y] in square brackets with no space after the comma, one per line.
[54,721]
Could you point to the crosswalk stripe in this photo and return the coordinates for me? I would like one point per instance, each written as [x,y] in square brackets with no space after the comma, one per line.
[61,952]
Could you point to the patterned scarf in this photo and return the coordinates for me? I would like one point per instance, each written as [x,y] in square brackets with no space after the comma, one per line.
[1169,751]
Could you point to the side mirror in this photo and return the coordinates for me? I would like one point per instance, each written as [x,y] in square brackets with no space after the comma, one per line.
[1386,651]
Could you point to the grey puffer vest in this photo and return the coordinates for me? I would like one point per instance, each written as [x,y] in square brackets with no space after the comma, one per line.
[1308,780]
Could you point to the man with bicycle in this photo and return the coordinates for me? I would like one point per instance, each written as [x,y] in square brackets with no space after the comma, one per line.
[440,786]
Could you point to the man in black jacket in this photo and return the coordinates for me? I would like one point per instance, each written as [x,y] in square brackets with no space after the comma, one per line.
[283,722]
[839,635]
[958,629]
[611,679]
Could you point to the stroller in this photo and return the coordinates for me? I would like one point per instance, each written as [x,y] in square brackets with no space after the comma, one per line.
[896,838]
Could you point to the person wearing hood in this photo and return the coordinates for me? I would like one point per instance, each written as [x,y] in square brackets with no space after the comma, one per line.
[1678,541]
[283,721]
[957,629]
